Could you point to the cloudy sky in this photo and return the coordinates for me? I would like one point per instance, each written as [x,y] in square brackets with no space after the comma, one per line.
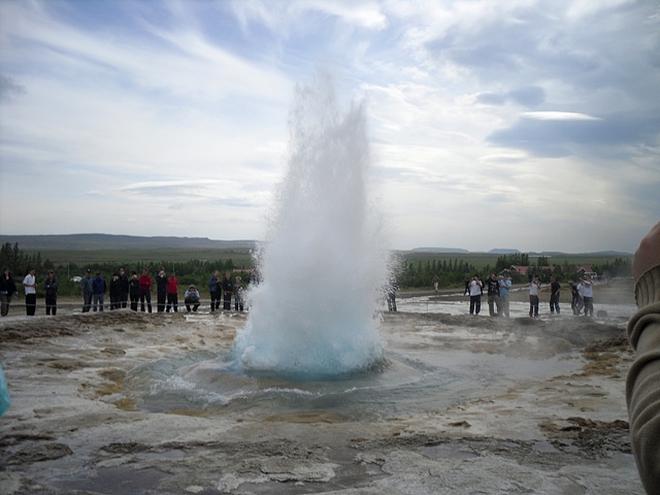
[493,123]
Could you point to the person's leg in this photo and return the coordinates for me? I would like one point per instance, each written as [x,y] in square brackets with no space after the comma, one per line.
[148,297]
[142,298]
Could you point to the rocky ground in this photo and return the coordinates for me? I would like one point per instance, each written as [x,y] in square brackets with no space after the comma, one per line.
[74,428]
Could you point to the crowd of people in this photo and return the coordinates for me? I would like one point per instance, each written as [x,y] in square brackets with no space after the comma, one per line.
[498,291]
[125,292]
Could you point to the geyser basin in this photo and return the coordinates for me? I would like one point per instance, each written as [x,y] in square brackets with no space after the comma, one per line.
[324,262]
[193,383]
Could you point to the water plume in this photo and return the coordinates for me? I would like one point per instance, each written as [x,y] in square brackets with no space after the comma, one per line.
[324,262]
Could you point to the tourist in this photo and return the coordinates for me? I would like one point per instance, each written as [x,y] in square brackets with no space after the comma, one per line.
[392,289]
[172,293]
[161,289]
[115,291]
[87,289]
[588,296]
[505,292]
[228,290]
[238,299]
[436,280]
[125,288]
[99,288]
[7,290]
[30,286]
[534,287]
[643,383]
[555,289]
[576,299]
[215,288]
[50,287]
[134,291]
[493,295]
[145,290]
[191,297]
[475,288]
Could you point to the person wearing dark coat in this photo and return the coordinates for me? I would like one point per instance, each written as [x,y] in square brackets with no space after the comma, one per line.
[50,287]
[115,291]
[161,289]
[125,288]
[7,290]
[134,291]
[228,290]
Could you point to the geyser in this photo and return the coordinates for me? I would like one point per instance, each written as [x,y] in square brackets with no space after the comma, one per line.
[324,261]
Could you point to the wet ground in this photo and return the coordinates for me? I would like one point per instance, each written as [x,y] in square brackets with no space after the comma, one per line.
[121,402]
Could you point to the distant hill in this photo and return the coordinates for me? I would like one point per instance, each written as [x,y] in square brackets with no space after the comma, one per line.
[504,251]
[439,250]
[97,242]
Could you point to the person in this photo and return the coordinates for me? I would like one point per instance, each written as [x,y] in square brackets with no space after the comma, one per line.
[228,290]
[87,289]
[588,296]
[576,299]
[134,291]
[493,295]
[125,288]
[7,290]
[172,293]
[50,287]
[30,286]
[161,289]
[191,297]
[99,291]
[534,287]
[555,289]
[643,381]
[145,290]
[115,291]
[215,288]
[238,299]
[475,288]
[436,280]
[392,289]
[505,292]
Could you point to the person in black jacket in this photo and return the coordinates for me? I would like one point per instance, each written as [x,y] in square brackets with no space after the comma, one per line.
[7,290]
[161,289]
[51,293]
[125,288]
[115,291]
[134,291]
[493,286]
[228,290]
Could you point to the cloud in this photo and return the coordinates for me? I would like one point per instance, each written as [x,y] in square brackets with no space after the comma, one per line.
[9,88]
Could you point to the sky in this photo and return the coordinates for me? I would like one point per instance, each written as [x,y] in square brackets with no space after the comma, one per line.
[520,124]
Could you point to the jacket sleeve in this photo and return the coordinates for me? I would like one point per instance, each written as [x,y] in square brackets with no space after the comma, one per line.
[643,382]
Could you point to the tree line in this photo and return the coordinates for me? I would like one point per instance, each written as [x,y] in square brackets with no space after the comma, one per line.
[455,272]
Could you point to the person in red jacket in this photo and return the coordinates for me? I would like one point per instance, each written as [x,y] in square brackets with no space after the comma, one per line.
[145,289]
[172,293]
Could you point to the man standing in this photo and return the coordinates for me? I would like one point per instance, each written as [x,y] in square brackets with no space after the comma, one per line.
[476,288]
[588,293]
[215,290]
[51,293]
[99,287]
[161,289]
[555,288]
[493,295]
[7,290]
[505,288]
[87,289]
[30,286]
[228,289]
[124,285]
[534,287]
[145,289]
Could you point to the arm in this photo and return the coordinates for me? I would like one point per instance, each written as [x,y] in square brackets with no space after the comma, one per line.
[643,383]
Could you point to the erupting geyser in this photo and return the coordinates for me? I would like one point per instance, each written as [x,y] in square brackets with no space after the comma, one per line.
[324,262]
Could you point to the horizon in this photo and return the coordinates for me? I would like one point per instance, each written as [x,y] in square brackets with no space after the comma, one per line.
[533,124]
[420,249]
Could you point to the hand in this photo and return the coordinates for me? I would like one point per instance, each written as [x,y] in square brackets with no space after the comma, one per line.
[648,253]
